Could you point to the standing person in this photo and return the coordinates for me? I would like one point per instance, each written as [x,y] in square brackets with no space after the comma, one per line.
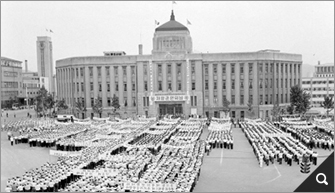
[7,114]
[12,140]
[9,135]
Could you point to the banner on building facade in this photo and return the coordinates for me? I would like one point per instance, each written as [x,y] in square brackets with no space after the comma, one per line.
[169,98]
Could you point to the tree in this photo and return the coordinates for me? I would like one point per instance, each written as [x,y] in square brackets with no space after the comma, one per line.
[225,104]
[290,109]
[61,105]
[300,100]
[328,104]
[115,106]
[115,103]
[44,101]
[80,107]
[97,107]
[250,108]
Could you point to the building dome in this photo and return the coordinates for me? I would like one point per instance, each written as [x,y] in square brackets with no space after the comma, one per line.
[172,25]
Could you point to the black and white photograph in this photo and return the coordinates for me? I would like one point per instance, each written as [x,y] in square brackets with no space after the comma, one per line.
[167,96]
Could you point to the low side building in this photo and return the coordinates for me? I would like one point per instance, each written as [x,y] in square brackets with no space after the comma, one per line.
[321,84]
[11,80]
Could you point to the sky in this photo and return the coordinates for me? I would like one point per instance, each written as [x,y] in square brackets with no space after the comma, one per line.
[89,28]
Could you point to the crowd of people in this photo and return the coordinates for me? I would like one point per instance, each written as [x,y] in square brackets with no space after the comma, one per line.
[272,144]
[220,135]
[313,135]
[107,154]
[172,161]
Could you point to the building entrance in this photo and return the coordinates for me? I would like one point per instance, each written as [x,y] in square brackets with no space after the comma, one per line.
[171,109]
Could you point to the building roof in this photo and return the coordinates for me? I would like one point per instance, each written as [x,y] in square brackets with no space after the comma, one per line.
[4,58]
[172,25]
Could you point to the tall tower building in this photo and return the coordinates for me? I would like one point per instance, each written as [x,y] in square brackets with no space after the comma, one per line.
[45,62]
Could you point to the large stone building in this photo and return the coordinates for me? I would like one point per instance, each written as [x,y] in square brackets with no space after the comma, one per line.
[174,80]
[45,62]
[321,84]
[11,80]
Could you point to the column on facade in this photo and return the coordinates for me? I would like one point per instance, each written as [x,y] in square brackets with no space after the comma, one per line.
[285,79]
[76,86]
[210,86]
[59,84]
[280,77]
[104,86]
[183,77]
[228,82]
[95,83]
[64,86]
[87,87]
[68,94]
[81,81]
[129,87]
[121,89]
[174,76]
[219,84]
[155,75]
[199,87]
[255,84]
[246,84]
[289,77]
[112,81]
[237,86]
[263,90]
[73,86]
[164,76]
[140,87]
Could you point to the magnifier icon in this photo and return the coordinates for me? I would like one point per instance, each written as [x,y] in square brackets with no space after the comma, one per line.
[324,178]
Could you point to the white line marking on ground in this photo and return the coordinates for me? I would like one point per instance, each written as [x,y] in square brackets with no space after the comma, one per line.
[279,175]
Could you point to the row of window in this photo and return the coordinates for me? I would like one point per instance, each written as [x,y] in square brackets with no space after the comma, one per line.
[267,68]
[318,82]
[319,89]
[30,85]
[266,84]
[10,74]
[267,99]
[326,69]
[116,71]
[80,71]
[109,101]
[325,75]
[10,84]
[10,93]
[322,95]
